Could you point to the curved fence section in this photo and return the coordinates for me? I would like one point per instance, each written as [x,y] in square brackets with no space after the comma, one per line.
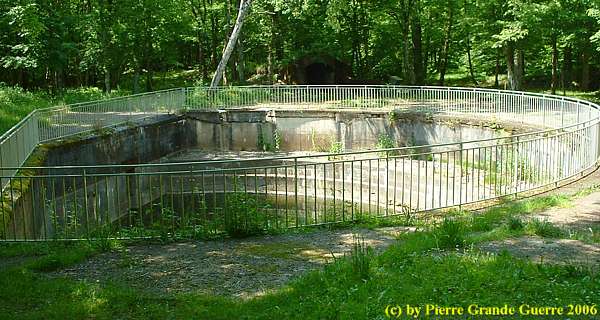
[241,197]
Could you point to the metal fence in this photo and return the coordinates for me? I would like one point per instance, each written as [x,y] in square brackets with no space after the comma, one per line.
[238,197]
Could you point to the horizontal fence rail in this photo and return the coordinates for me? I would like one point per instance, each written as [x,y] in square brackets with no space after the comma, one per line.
[205,198]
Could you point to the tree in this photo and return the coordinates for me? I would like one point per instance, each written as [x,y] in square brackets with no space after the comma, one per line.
[235,33]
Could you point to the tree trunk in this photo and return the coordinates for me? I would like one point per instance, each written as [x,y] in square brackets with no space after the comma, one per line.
[567,68]
[214,41]
[407,70]
[417,46]
[471,71]
[149,86]
[554,83]
[497,72]
[240,62]
[136,80]
[201,64]
[270,48]
[519,69]
[446,47]
[585,70]
[106,80]
[510,66]
[243,11]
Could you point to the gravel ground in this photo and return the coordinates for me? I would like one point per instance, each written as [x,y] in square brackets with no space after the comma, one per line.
[558,251]
[240,268]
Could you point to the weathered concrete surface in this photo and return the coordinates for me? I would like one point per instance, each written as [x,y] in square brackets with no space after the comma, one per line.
[318,130]
[94,199]
[133,143]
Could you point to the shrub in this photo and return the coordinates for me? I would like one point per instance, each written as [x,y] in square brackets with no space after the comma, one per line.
[360,258]
[451,233]
[515,223]
[384,141]
[244,216]
[336,148]
[544,229]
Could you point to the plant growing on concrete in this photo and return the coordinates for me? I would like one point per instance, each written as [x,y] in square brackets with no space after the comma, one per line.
[276,140]
[393,116]
[319,145]
[336,147]
[385,141]
[269,146]
[245,216]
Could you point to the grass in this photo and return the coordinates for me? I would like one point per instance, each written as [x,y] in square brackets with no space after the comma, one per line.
[437,265]
[16,103]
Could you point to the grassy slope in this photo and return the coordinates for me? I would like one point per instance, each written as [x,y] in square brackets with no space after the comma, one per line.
[438,265]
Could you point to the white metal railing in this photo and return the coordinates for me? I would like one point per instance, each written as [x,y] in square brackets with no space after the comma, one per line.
[414,179]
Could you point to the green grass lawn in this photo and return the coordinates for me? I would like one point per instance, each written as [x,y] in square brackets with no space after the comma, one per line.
[438,265]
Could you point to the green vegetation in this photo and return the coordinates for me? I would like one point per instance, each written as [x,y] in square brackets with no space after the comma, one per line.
[361,256]
[335,147]
[238,215]
[440,264]
[385,141]
[144,46]
[16,103]
[64,51]
[271,145]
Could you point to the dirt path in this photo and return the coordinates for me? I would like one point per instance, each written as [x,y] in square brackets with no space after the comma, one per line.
[584,213]
[240,268]
[558,251]
[582,216]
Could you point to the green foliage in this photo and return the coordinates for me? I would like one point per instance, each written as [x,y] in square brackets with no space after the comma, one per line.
[450,234]
[360,258]
[120,44]
[543,228]
[385,141]
[16,103]
[515,223]
[271,145]
[336,147]
[245,216]
[412,270]
[393,116]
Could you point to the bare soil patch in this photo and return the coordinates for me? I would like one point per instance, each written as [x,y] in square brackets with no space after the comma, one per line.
[241,268]
[557,251]
[584,213]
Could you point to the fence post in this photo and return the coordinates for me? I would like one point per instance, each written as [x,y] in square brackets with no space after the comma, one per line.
[515,148]
[183,100]
[597,143]
[460,187]
[296,189]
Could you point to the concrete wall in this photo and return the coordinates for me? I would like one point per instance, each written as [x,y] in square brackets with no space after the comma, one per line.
[140,142]
[244,130]
[93,200]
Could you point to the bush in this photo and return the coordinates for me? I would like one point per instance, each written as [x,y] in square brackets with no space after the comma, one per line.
[360,258]
[336,148]
[544,229]
[450,234]
[245,216]
[384,141]
[515,224]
